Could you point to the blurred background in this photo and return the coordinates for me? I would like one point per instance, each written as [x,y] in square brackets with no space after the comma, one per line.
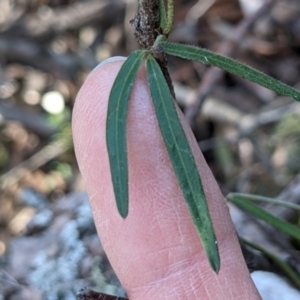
[249,135]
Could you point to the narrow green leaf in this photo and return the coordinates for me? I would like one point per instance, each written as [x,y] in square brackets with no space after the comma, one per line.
[294,277]
[170,17]
[182,160]
[232,66]
[116,128]
[254,210]
[267,200]
[163,15]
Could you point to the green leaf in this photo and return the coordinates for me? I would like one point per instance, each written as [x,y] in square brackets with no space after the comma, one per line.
[116,128]
[182,160]
[210,58]
[170,18]
[267,200]
[294,277]
[163,15]
[254,210]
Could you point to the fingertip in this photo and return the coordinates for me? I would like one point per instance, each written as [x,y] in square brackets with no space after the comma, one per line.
[158,239]
[108,61]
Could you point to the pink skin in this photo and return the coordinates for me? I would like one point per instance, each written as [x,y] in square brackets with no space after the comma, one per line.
[155,251]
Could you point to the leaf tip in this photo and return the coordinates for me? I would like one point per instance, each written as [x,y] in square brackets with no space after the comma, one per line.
[214,261]
[123,211]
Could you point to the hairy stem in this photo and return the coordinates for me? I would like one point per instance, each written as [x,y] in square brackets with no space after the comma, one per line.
[161,58]
[147,23]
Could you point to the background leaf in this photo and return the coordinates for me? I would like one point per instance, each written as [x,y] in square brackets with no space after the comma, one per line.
[232,66]
[258,198]
[182,160]
[291,274]
[254,210]
[116,128]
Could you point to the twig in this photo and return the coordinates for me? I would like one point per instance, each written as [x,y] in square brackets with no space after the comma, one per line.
[88,294]
[146,29]
[37,160]
[32,53]
[161,58]
[146,23]
[70,17]
[226,48]
[30,120]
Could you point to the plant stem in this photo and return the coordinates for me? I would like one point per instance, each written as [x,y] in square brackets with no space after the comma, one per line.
[147,23]
[148,33]
[161,58]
